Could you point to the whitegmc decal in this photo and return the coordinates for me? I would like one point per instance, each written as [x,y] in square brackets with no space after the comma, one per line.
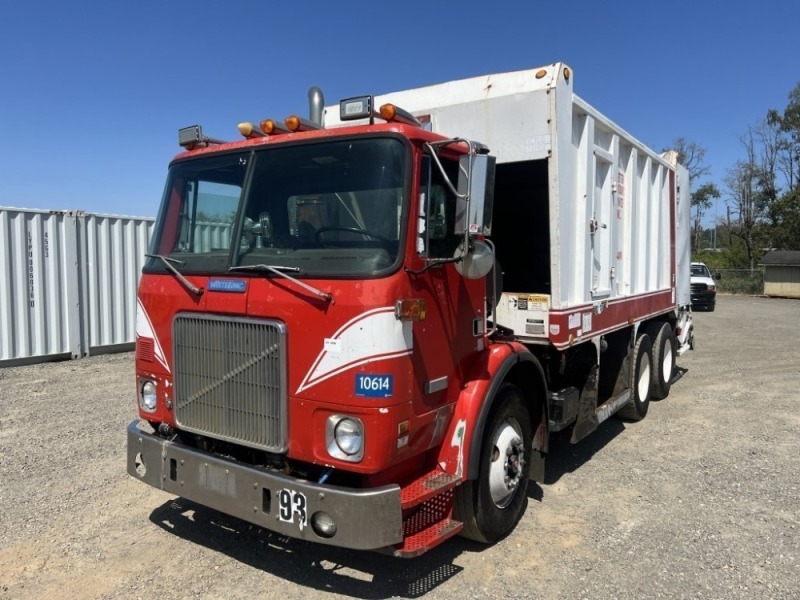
[369,337]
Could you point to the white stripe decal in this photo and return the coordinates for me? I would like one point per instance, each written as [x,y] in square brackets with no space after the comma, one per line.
[369,337]
[144,328]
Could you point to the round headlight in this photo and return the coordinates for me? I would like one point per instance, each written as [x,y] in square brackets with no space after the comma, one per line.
[349,436]
[149,396]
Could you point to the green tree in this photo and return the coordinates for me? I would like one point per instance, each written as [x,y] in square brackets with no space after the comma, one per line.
[783,230]
[784,215]
[789,123]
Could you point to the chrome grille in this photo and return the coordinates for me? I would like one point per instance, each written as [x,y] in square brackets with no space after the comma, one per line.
[230,379]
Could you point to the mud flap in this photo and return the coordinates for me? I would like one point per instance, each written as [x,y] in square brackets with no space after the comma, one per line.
[587,421]
[537,453]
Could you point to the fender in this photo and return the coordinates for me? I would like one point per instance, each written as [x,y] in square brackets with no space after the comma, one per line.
[461,447]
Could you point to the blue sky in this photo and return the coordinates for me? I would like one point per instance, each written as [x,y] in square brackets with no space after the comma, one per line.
[92,93]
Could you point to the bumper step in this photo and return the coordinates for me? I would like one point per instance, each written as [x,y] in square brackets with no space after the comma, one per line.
[427,514]
[426,487]
[425,539]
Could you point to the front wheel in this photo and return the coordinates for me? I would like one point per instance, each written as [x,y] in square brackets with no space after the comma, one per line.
[492,504]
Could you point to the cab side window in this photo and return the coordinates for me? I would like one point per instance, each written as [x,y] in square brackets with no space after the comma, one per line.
[440,239]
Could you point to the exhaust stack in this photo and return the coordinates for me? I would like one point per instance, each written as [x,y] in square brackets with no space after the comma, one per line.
[316,103]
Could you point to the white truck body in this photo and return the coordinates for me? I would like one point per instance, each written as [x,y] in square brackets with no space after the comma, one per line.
[601,223]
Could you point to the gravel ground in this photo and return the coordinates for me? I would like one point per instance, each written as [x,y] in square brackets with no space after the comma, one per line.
[699,500]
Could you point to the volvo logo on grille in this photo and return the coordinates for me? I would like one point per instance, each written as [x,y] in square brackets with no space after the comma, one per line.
[227,285]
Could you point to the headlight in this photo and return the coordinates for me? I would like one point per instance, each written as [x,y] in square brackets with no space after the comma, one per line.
[712,288]
[349,436]
[345,438]
[147,396]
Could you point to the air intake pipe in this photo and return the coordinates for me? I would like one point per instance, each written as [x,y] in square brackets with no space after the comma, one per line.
[315,105]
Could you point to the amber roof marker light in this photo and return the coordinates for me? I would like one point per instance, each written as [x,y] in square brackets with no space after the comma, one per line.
[249,130]
[272,127]
[391,112]
[294,123]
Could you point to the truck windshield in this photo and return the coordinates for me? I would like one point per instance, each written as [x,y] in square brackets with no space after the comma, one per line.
[333,208]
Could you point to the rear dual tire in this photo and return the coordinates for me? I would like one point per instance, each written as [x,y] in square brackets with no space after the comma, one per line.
[665,349]
[639,403]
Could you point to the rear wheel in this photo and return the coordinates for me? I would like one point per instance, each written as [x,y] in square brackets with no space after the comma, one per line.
[642,358]
[664,352]
[492,504]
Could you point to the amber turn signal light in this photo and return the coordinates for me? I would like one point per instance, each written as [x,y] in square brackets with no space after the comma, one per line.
[410,309]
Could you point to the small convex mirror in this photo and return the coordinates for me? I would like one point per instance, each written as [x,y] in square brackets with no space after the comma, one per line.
[477,262]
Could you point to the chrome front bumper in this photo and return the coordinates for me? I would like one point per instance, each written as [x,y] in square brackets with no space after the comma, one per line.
[366,519]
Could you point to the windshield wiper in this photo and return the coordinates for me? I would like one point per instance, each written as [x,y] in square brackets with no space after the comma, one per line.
[279,270]
[197,291]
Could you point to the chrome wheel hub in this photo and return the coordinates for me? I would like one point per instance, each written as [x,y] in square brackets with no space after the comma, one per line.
[507,463]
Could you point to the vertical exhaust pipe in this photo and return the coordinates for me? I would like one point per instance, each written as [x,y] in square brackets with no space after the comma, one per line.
[315,105]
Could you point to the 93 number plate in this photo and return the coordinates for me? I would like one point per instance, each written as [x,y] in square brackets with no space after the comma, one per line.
[292,507]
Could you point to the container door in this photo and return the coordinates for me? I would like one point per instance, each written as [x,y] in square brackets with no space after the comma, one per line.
[600,228]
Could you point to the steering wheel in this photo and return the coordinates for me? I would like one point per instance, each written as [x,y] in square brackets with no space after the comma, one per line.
[363,232]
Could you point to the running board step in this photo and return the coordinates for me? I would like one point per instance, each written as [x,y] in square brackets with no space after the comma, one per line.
[426,487]
[427,538]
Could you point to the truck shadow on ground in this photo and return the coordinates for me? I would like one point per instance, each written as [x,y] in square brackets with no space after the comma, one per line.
[565,457]
[358,574]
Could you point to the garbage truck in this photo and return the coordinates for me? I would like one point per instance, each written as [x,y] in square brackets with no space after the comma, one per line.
[361,327]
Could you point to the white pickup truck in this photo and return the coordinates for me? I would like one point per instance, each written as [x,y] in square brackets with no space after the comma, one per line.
[703,287]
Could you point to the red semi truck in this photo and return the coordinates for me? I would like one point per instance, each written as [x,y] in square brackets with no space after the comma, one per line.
[359,330]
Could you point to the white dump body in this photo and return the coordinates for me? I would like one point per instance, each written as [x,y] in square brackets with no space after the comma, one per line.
[585,215]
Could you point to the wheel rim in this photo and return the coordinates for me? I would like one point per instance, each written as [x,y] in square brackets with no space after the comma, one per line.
[507,462]
[643,385]
[666,363]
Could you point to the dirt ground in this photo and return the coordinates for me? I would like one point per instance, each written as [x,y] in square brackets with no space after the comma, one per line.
[699,500]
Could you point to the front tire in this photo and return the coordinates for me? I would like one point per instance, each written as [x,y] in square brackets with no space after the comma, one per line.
[491,505]
[642,358]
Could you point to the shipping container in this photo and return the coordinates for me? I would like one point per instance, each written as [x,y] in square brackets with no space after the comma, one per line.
[70,283]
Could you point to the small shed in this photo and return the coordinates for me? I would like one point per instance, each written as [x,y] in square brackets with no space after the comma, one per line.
[782,273]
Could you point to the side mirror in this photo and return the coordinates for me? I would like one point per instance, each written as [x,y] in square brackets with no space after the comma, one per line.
[717,276]
[476,184]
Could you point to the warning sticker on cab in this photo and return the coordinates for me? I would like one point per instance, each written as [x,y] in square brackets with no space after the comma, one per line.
[529,302]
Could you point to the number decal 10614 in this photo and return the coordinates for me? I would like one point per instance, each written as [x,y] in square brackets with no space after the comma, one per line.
[374,386]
